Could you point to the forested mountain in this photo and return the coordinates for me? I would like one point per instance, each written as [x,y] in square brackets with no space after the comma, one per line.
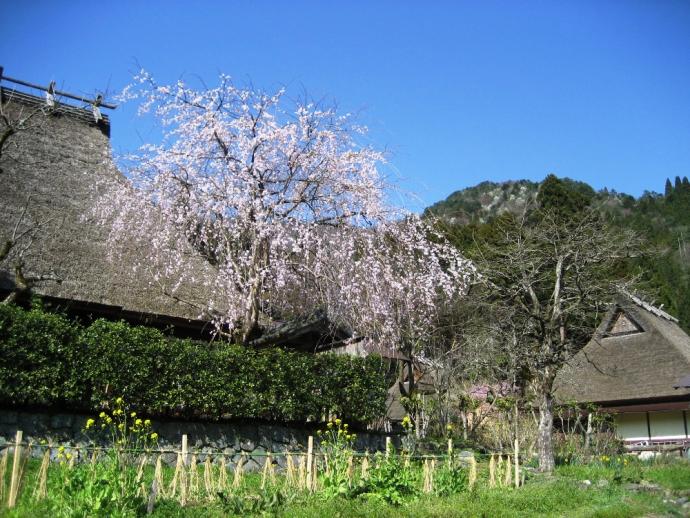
[663,220]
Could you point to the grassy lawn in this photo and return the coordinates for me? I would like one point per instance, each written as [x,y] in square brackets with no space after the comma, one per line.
[610,494]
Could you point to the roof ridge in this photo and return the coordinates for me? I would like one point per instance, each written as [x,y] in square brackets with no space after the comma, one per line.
[649,307]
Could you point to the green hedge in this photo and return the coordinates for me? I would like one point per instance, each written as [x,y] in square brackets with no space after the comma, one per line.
[48,360]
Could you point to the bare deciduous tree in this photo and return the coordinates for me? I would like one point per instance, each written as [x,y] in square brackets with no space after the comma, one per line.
[548,277]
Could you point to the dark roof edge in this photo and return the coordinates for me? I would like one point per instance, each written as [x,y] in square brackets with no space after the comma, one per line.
[642,401]
[184,327]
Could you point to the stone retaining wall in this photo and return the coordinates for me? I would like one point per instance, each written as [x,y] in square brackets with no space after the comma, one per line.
[231,439]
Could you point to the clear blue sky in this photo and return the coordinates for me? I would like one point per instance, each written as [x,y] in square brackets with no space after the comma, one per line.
[459,92]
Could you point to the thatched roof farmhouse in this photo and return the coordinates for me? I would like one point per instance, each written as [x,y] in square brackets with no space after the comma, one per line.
[51,162]
[51,166]
[633,366]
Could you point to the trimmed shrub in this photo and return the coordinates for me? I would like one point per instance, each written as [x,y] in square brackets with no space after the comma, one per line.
[47,360]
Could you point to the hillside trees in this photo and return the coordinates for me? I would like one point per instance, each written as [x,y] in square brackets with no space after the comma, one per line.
[287,208]
[548,275]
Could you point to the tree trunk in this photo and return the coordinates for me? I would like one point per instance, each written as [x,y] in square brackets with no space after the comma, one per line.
[588,433]
[251,315]
[545,432]
[253,307]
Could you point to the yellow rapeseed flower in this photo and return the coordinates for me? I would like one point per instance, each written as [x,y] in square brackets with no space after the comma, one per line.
[138,422]
[338,421]
[154,436]
[147,422]
[101,415]
[330,424]
[133,414]
[118,401]
[90,423]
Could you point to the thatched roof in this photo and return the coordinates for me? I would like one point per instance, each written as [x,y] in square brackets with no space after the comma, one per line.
[638,353]
[49,171]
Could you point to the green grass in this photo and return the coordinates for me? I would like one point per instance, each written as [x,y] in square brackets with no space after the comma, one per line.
[560,498]
[563,494]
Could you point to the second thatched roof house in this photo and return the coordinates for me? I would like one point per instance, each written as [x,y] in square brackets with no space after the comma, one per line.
[634,366]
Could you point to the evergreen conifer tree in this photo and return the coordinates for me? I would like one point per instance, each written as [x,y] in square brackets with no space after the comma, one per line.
[668,189]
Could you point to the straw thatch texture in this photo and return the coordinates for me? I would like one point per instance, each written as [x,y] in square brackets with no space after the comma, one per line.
[49,172]
[635,354]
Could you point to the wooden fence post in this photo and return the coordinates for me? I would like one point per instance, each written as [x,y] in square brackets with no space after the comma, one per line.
[310,462]
[517,464]
[492,471]
[509,473]
[450,451]
[472,477]
[184,449]
[183,472]
[14,481]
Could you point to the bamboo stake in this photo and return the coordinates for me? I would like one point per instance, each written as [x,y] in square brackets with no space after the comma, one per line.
[222,475]
[193,477]
[3,472]
[425,476]
[450,452]
[25,461]
[310,463]
[303,472]
[388,446]
[239,471]
[314,478]
[158,477]
[517,463]
[176,476]
[492,471]
[184,489]
[14,481]
[432,468]
[208,477]
[72,458]
[140,471]
[42,485]
[509,473]
[268,474]
[365,466]
[289,470]
[472,477]
[184,449]
[350,470]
